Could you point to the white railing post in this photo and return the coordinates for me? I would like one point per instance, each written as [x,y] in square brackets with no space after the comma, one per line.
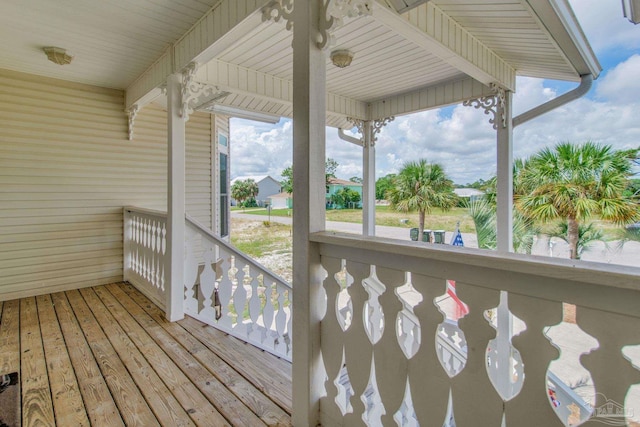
[369,181]
[175,200]
[504,218]
[309,102]
[126,245]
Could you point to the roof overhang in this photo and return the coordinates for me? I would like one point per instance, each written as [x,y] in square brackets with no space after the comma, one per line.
[631,9]
[438,53]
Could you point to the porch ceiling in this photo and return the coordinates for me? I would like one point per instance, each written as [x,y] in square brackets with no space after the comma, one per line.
[400,58]
[440,52]
[113,41]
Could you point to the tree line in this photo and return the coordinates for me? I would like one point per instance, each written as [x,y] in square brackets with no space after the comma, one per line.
[568,185]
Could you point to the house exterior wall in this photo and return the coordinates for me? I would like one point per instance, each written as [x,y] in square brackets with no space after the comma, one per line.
[334,188]
[267,187]
[67,169]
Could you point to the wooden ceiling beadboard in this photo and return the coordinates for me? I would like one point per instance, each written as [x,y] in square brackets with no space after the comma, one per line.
[120,43]
[511,30]
[113,41]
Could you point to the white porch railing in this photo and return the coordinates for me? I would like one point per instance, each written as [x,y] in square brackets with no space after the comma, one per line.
[145,243]
[394,352]
[229,290]
[223,287]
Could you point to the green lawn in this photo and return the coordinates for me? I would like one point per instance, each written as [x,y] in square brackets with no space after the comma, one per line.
[257,239]
[437,220]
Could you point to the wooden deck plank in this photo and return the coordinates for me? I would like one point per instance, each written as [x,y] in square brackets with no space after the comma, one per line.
[106,356]
[260,404]
[201,410]
[133,408]
[165,407]
[100,406]
[246,359]
[67,402]
[37,407]
[225,393]
[10,338]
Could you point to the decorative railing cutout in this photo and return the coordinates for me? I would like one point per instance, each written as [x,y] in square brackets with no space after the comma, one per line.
[373,315]
[406,415]
[451,344]
[373,406]
[504,363]
[343,385]
[407,323]
[344,305]
[570,387]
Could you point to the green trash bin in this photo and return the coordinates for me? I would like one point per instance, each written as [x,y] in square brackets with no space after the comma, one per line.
[426,236]
[413,233]
[438,236]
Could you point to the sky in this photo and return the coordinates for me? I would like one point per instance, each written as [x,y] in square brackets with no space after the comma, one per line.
[461,139]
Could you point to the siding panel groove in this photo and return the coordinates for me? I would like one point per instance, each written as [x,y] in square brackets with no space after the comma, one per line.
[67,169]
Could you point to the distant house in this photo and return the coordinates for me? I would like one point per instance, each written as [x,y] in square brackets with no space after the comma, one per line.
[267,186]
[470,194]
[335,184]
[281,201]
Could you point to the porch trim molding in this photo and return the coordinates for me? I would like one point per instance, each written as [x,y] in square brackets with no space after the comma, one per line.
[244,81]
[446,93]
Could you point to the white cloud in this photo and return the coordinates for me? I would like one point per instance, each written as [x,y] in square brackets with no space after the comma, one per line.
[622,83]
[604,25]
[260,149]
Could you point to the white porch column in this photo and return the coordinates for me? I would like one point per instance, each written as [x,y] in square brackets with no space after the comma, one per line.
[175,201]
[309,98]
[504,217]
[369,181]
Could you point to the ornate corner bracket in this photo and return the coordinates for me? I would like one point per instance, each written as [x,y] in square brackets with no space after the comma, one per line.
[279,9]
[195,93]
[376,127]
[492,104]
[333,14]
[132,112]
[190,89]
[359,124]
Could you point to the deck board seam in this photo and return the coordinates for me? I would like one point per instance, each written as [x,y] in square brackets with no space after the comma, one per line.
[116,289]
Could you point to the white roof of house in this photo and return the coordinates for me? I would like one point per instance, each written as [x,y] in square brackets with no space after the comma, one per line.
[256,178]
[467,192]
[338,181]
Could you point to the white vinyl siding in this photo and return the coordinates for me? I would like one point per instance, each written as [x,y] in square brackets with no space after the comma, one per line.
[66,171]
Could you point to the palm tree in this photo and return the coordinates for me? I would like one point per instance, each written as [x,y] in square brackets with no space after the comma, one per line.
[575,182]
[483,213]
[587,235]
[421,186]
[244,190]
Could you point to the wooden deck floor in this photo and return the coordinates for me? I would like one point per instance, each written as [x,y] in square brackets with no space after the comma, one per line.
[105,356]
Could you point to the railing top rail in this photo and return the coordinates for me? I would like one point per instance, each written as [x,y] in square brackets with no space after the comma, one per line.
[239,254]
[145,211]
[602,286]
